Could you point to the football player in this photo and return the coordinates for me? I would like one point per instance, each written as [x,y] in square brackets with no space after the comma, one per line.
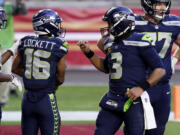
[128,54]
[165,30]
[41,63]
[6,77]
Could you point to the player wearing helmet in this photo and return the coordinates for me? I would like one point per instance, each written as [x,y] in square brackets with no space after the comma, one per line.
[128,54]
[41,63]
[165,30]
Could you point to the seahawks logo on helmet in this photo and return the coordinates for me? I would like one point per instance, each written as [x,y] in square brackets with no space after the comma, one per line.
[46,22]
[122,22]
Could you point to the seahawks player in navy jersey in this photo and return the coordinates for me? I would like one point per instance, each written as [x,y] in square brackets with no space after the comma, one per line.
[128,55]
[41,63]
[165,30]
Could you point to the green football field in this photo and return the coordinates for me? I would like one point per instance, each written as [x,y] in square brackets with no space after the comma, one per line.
[80,98]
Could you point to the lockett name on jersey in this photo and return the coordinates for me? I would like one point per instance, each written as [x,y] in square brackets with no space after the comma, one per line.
[38,44]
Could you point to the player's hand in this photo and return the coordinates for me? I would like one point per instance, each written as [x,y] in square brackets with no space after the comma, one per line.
[84,46]
[16,82]
[134,93]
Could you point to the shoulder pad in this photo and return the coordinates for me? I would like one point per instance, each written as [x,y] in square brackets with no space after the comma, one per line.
[141,22]
[136,43]
[172,20]
[173,17]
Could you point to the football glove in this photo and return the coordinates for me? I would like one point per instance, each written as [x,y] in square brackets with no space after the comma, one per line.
[174,60]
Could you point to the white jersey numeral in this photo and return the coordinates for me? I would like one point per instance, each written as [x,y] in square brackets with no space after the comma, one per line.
[36,67]
[160,36]
[117,65]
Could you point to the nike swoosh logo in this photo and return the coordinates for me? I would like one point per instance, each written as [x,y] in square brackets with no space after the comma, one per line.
[135,103]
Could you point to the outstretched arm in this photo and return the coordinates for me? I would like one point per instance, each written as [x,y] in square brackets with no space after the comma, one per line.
[97,61]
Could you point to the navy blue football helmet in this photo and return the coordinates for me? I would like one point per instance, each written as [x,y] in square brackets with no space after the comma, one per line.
[3,20]
[147,6]
[121,23]
[47,22]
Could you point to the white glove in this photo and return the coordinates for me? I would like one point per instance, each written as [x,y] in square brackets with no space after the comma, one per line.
[15,81]
[14,48]
[174,60]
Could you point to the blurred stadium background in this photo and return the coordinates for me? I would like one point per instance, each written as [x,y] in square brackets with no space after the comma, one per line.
[84,86]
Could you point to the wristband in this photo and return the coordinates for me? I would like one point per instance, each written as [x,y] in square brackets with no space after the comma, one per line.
[145,85]
[90,54]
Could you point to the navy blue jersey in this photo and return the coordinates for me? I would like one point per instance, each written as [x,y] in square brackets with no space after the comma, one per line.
[128,61]
[163,34]
[40,57]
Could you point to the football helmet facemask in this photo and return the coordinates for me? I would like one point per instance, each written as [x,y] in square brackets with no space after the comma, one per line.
[121,23]
[148,7]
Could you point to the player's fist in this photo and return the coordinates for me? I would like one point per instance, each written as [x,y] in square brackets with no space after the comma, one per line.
[15,81]
[84,46]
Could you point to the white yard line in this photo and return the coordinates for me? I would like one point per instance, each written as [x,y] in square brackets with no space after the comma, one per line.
[65,116]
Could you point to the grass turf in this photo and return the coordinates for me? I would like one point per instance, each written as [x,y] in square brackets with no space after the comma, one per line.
[80,98]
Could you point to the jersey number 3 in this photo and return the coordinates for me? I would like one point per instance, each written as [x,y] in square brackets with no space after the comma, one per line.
[35,67]
[116,65]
